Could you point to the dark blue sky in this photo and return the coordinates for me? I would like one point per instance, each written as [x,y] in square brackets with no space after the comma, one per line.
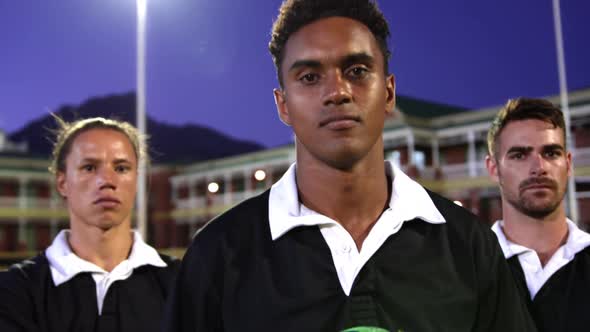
[208,61]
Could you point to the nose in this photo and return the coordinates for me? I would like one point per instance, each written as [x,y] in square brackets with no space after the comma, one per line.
[538,165]
[105,178]
[337,90]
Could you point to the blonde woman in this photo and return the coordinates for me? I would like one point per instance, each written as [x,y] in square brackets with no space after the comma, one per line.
[98,275]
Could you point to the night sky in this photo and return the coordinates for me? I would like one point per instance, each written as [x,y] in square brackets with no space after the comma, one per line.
[208,61]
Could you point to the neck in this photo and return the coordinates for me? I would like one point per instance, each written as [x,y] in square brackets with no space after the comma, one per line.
[544,236]
[354,198]
[104,248]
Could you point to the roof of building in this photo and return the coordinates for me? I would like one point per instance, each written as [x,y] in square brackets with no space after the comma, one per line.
[425,109]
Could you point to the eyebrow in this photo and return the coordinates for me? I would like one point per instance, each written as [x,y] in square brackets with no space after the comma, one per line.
[122,161]
[553,147]
[304,64]
[526,149]
[89,160]
[346,61]
[360,57]
[95,160]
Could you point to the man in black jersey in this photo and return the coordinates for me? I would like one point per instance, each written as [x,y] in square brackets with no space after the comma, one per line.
[344,239]
[547,252]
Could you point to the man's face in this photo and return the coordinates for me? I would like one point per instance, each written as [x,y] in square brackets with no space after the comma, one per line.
[99,183]
[531,167]
[336,95]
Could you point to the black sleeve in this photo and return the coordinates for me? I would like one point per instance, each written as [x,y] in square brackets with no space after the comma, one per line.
[501,307]
[16,301]
[167,275]
[194,303]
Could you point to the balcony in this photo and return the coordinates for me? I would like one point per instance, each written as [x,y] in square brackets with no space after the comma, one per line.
[452,177]
[190,203]
[31,208]
[581,159]
[213,204]
[28,202]
[453,172]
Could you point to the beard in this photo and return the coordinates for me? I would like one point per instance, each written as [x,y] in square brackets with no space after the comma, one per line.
[536,205]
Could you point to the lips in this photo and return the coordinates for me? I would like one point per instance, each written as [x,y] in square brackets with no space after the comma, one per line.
[537,186]
[107,201]
[538,183]
[340,122]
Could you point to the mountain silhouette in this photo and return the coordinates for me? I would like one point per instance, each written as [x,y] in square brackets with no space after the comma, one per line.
[168,143]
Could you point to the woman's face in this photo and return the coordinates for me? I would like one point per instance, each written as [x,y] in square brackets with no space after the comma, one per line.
[100,178]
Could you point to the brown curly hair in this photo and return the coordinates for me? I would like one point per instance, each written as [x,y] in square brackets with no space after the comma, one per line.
[523,109]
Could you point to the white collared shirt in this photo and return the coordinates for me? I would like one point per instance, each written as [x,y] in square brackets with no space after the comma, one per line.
[65,264]
[409,200]
[535,274]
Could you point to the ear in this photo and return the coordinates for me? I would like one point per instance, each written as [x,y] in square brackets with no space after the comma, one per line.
[568,160]
[492,167]
[389,94]
[60,182]
[281,103]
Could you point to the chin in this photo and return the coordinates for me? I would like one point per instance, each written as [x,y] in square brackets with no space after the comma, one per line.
[539,211]
[109,223]
[344,162]
[342,153]
[345,156]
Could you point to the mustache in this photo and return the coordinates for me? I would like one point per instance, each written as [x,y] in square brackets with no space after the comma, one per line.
[530,182]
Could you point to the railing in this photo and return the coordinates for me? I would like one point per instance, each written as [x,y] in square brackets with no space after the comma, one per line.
[28,202]
[452,172]
[189,203]
[8,201]
[581,157]
[215,200]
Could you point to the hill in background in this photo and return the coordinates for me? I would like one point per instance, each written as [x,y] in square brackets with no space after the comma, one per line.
[168,143]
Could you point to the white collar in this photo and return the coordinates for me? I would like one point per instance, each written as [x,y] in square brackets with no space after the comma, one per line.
[408,199]
[65,264]
[576,241]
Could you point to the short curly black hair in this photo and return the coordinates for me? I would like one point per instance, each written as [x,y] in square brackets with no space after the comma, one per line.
[294,14]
